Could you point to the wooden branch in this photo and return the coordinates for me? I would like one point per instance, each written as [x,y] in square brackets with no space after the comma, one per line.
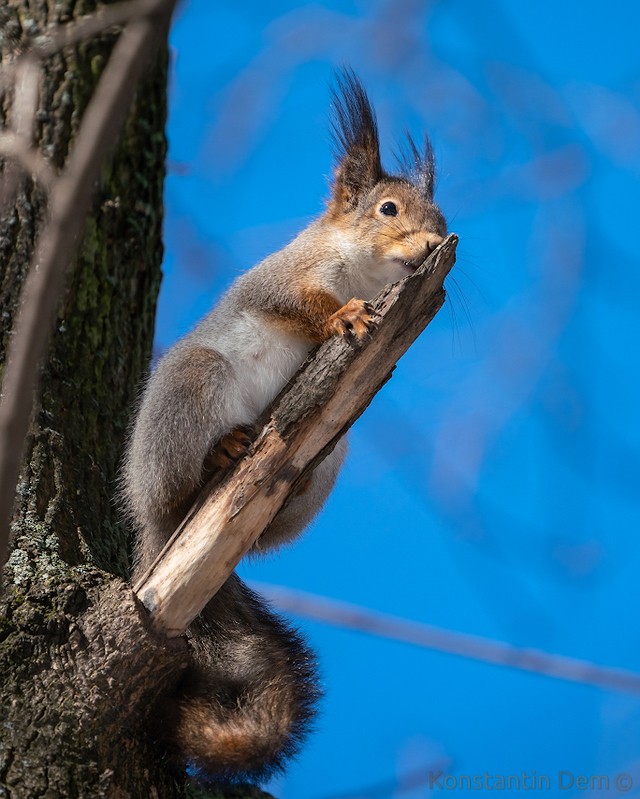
[329,393]
[57,244]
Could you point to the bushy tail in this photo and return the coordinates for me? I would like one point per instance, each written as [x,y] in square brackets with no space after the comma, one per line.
[247,700]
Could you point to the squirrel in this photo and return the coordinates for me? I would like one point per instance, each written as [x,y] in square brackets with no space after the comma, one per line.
[247,698]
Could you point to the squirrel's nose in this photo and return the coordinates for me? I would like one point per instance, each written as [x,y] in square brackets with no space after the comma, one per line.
[433,241]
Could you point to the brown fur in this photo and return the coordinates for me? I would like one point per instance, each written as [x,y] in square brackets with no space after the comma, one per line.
[413,234]
[244,705]
[309,316]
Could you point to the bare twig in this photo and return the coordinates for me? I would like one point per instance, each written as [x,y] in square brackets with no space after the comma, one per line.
[25,101]
[22,73]
[329,394]
[439,639]
[55,250]
[90,25]
[58,37]
[15,147]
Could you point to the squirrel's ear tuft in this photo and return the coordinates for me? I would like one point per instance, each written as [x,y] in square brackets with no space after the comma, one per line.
[355,135]
[419,167]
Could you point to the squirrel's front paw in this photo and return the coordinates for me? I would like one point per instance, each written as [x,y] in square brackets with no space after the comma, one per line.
[229,449]
[354,318]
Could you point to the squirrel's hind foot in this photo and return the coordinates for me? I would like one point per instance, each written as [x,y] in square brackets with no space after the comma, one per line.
[230,448]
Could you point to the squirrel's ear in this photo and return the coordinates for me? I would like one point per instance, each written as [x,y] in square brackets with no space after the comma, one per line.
[355,135]
[419,167]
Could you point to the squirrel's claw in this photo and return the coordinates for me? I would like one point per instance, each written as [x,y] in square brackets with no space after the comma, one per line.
[229,449]
[353,319]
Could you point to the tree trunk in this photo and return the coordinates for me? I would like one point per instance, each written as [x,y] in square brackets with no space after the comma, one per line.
[79,667]
[65,513]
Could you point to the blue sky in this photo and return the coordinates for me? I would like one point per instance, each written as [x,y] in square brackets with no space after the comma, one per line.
[491,488]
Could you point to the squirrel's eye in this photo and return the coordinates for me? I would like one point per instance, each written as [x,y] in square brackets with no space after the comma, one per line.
[389,209]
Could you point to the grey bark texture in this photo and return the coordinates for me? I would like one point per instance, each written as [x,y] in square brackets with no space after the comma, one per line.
[80,668]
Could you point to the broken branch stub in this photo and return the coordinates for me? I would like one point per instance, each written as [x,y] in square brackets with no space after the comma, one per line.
[328,394]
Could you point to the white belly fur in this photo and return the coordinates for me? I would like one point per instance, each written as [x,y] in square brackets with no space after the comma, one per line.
[264,358]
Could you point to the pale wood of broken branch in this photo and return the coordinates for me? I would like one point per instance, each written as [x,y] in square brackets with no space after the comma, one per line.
[329,393]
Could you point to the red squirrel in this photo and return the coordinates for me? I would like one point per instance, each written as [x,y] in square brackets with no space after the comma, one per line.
[248,697]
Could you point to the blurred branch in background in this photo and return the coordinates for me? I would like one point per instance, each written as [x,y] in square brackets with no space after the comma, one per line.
[69,201]
[404,783]
[438,639]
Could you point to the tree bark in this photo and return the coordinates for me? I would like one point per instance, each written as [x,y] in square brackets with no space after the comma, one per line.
[79,668]
[64,509]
